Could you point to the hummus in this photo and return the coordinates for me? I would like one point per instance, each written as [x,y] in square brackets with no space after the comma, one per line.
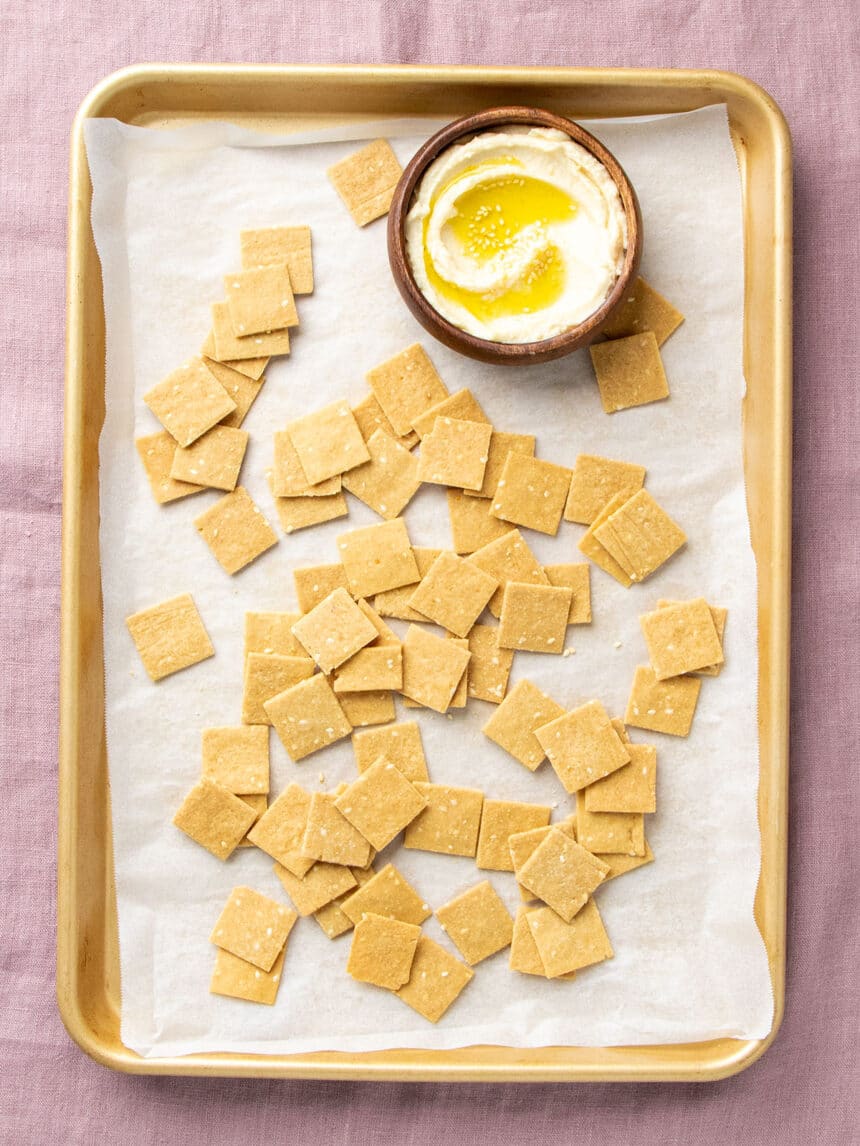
[516,236]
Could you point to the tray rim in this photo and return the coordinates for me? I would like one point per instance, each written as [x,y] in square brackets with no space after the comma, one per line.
[469,1063]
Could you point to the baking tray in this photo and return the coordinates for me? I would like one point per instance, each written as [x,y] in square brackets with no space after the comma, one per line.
[292,98]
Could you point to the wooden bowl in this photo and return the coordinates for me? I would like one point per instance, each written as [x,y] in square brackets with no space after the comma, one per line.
[485,350]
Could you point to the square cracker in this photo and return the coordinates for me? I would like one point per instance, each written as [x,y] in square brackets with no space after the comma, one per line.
[238,979]
[330,837]
[577,578]
[272,634]
[522,845]
[582,746]
[371,417]
[252,368]
[156,453]
[366,180]
[334,630]
[450,822]
[608,833]
[389,481]
[238,758]
[436,980]
[400,744]
[405,386]
[596,480]
[629,372]
[462,405]
[295,513]
[621,865]
[189,401]
[591,547]
[382,951]
[230,347]
[371,670]
[243,390]
[472,526]
[524,955]
[501,444]
[455,453]
[477,922]
[681,638]
[253,927]
[490,665]
[258,805]
[365,708]
[307,717]
[640,535]
[512,726]
[531,492]
[214,818]
[314,583]
[395,602]
[501,819]
[331,918]
[267,675]
[260,299]
[385,634]
[387,893]
[508,559]
[534,617]
[212,460]
[432,668]
[641,309]
[632,788]
[322,883]
[378,557]
[328,442]
[289,479]
[562,873]
[565,947]
[720,616]
[662,705]
[170,636]
[280,830]
[235,530]
[291,245]
[380,803]
[453,593]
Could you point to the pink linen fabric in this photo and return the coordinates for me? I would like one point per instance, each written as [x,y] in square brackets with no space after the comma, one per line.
[805,1090]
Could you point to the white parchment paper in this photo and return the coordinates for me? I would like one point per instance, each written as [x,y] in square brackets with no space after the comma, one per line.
[689,962]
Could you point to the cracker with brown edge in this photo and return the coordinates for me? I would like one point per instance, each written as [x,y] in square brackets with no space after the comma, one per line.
[170,636]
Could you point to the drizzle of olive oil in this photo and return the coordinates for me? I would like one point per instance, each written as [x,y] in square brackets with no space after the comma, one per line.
[487,220]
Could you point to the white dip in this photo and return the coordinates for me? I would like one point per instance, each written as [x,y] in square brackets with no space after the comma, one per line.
[516,236]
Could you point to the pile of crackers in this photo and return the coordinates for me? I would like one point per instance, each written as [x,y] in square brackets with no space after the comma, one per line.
[332,669]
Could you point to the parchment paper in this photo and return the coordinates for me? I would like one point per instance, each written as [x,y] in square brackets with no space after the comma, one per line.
[689,961]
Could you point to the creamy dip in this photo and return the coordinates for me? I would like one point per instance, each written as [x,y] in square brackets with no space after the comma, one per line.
[517,235]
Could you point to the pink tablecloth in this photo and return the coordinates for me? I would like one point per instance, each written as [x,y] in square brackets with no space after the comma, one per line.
[805,1089]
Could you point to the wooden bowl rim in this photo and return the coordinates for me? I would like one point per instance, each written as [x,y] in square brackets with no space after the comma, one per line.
[484,349]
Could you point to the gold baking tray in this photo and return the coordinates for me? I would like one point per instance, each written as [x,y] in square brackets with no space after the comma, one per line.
[289,98]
